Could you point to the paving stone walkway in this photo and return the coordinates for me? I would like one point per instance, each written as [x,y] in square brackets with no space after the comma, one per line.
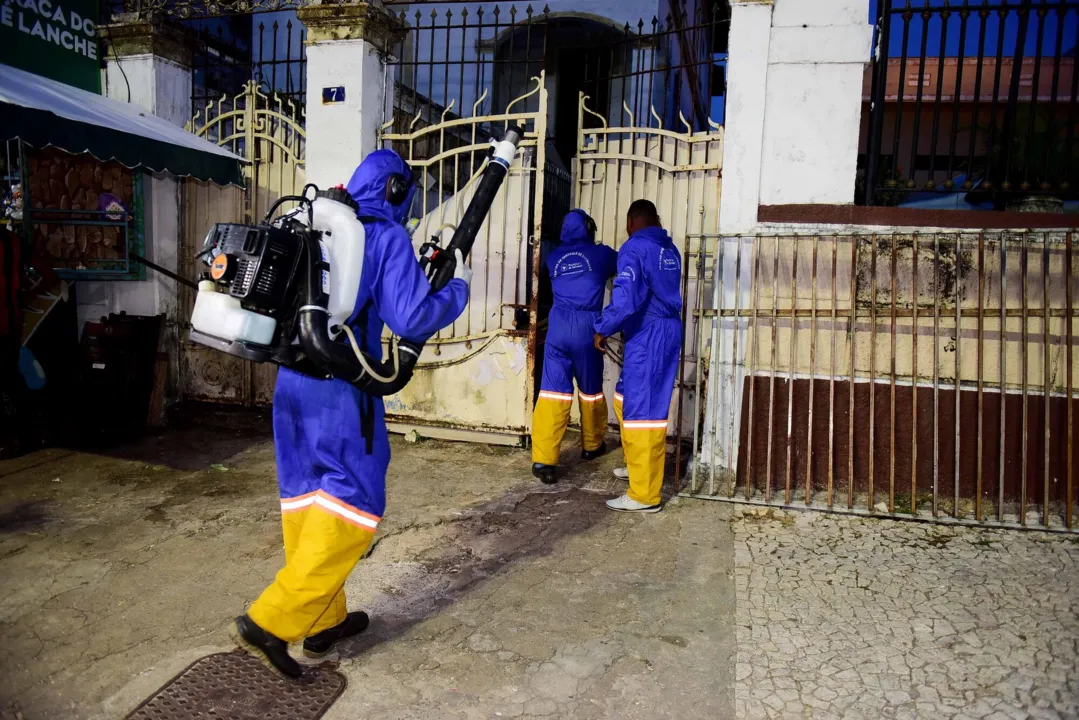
[861,618]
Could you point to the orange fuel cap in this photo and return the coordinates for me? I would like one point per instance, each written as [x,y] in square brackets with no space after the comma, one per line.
[219,267]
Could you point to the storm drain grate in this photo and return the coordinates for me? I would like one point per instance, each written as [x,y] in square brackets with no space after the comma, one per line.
[237,686]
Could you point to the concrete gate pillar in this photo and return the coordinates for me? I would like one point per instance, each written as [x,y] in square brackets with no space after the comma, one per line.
[816,64]
[349,91]
[148,64]
[750,35]
[747,84]
[794,105]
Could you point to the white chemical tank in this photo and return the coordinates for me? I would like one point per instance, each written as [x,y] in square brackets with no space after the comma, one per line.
[219,314]
[343,240]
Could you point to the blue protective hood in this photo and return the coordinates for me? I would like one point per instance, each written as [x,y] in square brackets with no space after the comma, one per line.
[575,229]
[368,185]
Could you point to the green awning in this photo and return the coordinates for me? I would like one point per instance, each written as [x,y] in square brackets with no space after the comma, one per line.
[45,113]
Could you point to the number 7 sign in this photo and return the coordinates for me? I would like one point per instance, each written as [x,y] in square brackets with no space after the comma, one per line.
[332,95]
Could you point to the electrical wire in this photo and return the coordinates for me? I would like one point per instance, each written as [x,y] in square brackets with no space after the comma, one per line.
[116,59]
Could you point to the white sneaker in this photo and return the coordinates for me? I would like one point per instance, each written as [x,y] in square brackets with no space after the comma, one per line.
[627,504]
[622,473]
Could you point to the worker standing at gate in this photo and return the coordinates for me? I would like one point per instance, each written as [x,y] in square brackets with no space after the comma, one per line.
[645,307]
[579,271]
[330,437]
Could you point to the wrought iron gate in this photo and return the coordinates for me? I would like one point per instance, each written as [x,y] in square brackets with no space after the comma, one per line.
[925,376]
[267,131]
[458,79]
[681,172]
[476,375]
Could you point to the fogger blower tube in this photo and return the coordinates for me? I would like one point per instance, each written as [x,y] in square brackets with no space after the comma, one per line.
[381,378]
[465,234]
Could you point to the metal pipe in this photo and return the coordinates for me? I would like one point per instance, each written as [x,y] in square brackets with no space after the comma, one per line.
[958,367]
[812,370]
[1058,53]
[1013,93]
[914,381]
[873,373]
[772,380]
[1033,108]
[1003,371]
[1069,279]
[832,372]
[853,375]
[1047,380]
[917,136]
[751,354]
[936,373]
[983,15]
[876,118]
[734,345]
[931,182]
[1002,16]
[981,370]
[891,383]
[964,15]
[790,370]
[1024,267]
[167,273]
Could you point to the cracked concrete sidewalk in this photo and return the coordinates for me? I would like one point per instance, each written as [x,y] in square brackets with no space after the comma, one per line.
[491,595]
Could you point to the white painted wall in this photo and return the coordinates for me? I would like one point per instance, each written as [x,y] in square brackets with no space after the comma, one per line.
[813,109]
[163,88]
[747,79]
[794,105]
[339,135]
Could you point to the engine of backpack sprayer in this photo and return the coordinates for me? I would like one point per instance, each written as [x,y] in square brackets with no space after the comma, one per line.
[282,291]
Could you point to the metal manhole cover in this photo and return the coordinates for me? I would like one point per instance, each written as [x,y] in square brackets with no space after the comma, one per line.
[237,686]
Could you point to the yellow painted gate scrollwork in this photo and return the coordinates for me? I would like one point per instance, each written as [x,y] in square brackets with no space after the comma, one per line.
[682,172]
[477,374]
[267,131]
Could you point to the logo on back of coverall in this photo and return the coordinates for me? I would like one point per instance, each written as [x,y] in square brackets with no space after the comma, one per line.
[668,260]
[573,263]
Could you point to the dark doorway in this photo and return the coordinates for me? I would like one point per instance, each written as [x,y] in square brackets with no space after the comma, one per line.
[565,47]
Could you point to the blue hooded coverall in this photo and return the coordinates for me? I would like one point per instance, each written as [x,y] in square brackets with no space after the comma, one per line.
[333,490]
[579,272]
[646,305]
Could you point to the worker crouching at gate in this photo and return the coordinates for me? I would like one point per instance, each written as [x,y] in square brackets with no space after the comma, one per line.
[579,272]
[645,307]
[330,438]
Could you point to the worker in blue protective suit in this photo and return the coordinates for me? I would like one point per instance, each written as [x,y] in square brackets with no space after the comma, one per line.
[646,305]
[332,482]
[579,271]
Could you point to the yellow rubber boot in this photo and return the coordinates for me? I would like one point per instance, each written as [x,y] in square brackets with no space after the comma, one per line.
[549,422]
[646,451]
[307,596]
[593,421]
[292,528]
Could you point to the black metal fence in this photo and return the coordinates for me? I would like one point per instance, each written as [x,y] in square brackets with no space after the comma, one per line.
[235,43]
[974,100]
[460,61]
[671,71]
[235,50]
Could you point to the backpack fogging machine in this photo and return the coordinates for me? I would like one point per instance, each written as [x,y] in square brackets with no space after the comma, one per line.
[283,291]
